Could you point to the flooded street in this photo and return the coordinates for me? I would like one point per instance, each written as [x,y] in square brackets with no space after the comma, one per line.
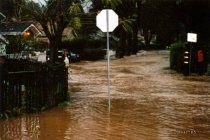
[148,102]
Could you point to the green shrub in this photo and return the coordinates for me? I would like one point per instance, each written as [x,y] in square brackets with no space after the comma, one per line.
[88,49]
[94,54]
[176,56]
[207,52]
[207,57]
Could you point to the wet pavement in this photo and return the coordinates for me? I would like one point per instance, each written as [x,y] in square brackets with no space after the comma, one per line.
[149,102]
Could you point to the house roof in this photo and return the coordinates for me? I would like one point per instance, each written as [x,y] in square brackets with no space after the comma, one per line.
[17,28]
[2,39]
[66,32]
[2,16]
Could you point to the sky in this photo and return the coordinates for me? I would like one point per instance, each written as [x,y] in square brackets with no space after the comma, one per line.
[86,5]
[39,1]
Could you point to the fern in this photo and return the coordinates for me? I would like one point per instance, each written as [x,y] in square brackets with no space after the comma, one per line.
[111,3]
[75,23]
[127,25]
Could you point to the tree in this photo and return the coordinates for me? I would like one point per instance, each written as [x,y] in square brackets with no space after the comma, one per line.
[11,9]
[159,18]
[129,27]
[195,16]
[54,17]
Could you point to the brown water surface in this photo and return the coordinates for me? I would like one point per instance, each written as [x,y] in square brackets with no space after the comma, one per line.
[149,102]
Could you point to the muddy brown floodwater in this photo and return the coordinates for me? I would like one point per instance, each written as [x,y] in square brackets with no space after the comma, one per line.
[149,102]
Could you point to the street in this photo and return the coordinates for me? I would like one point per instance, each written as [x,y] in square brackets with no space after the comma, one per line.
[148,102]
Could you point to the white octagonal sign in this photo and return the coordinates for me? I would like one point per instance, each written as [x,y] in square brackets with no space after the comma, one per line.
[107,20]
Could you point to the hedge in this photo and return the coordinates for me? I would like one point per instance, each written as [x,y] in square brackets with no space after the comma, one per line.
[88,49]
[176,56]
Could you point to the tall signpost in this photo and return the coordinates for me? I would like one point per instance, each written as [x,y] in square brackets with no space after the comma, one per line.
[107,21]
[191,38]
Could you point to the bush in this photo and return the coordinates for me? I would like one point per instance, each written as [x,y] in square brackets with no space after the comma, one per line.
[207,53]
[206,49]
[88,49]
[94,54]
[176,56]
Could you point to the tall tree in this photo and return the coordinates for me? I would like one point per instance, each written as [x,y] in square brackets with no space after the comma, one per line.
[196,18]
[54,17]
[158,18]
[125,29]
[12,9]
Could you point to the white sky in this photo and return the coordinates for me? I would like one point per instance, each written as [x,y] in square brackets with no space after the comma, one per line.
[39,1]
[86,5]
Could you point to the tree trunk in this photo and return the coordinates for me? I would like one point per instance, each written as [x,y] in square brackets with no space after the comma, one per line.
[147,38]
[55,44]
[1,82]
[121,48]
[135,41]
[129,45]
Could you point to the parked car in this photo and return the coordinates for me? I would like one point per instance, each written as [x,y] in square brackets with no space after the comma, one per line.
[73,56]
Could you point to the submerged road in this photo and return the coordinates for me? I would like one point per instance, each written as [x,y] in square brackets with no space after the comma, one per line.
[148,102]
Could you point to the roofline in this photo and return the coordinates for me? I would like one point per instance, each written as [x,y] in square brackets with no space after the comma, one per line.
[10,33]
[20,32]
[3,39]
[32,25]
[2,15]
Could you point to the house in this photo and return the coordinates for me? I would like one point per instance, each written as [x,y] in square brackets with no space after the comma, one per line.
[68,33]
[13,33]
[19,28]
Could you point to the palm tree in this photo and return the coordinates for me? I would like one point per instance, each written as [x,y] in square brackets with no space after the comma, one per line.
[54,17]
[127,30]
[158,18]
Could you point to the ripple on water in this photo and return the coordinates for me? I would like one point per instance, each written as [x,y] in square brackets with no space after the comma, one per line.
[148,103]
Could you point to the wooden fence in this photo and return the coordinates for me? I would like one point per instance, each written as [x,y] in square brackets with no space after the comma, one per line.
[28,91]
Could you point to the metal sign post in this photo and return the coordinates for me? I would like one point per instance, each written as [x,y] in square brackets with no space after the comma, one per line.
[190,62]
[108,59]
[191,38]
[107,21]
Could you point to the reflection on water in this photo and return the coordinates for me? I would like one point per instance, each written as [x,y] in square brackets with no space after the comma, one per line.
[145,106]
[20,128]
